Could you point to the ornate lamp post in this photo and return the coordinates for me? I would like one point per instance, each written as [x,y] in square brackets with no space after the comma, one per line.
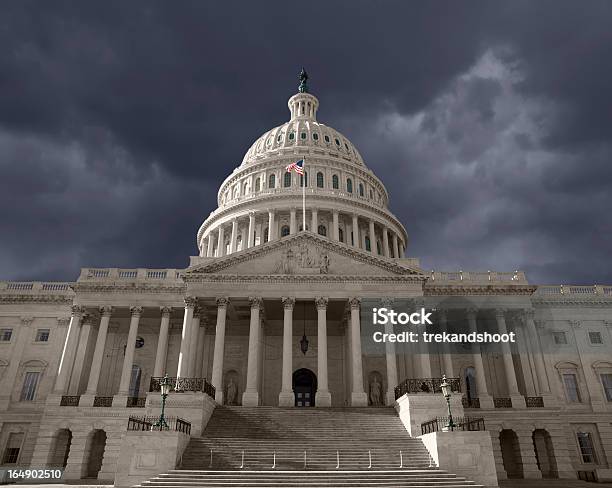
[446,392]
[164,386]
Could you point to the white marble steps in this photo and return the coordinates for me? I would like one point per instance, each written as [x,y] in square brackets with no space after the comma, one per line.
[429,478]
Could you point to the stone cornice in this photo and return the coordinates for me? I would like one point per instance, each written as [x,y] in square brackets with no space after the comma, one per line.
[115,287]
[577,301]
[454,290]
[59,299]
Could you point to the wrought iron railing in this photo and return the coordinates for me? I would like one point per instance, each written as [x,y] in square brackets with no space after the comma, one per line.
[502,402]
[460,423]
[184,384]
[136,402]
[103,401]
[470,402]
[534,402]
[70,401]
[145,424]
[425,385]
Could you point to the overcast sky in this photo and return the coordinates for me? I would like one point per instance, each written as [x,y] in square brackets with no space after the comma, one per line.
[489,122]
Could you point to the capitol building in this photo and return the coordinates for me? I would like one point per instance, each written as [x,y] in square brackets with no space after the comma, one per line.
[267,323]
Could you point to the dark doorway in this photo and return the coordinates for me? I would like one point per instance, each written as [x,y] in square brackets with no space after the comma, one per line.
[304,387]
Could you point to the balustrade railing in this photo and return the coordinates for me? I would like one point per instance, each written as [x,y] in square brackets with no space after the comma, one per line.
[103,401]
[425,385]
[459,423]
[470,402]
[136,402]
[184,384]
[534,402]
[148,423]
[502,402]
[70,401]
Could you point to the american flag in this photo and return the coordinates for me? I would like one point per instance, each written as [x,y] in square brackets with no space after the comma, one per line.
[298,167]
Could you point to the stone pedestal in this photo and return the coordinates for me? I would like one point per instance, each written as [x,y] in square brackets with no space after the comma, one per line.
[250,399]
[417,408]
[88,400]
[359,399]
[518,401]
[323,399]
[121,400]
[486,401]
[286,399]
[468,454]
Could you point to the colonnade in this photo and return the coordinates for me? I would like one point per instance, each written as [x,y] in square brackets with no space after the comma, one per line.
[258,227]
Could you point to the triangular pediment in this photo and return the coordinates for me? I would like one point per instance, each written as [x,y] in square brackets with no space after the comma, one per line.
[303,254]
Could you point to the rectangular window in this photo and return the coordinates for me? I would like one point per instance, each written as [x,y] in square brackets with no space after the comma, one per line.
[42,335]
[559,338]
[11,453]
[571,388]
[28,392]
[606,381]
[595,338]
[5,335]
[585,442]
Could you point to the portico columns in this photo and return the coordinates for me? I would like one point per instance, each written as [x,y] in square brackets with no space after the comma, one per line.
[79,358]
[518,401]
[355,231]
[286,397]
[359,398]
[183,362]
[385,233]
[396,252]
[335,225]
[193,342]
[481,381]
[211,245]
[162,343]
[128,360]
[314,224]
[323,396]
[447,357]
[221,242]
[372,237]
[98,355]
[271,233]
[391,358]
[217,372]
[70,345]
[533,339]
[234,237]
[251,236]
[292,226]
[250,397]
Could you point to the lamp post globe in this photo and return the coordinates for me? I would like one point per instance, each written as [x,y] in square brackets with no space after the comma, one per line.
[446,392]
[164,387]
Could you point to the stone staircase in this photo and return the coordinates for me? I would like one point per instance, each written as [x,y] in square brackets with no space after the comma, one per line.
[290,447]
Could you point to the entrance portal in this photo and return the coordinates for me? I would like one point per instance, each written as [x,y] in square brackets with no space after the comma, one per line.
[304,387]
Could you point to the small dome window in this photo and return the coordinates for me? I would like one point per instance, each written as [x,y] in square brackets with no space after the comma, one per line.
[303,135]
[367,243]
[341,235]
[291,136]
[269,142]
[335,183]
[349,185]
[338,142]
[278,139]
[360,189]
[371,195]
[322,230]
[315,136]
[287,180]
[272,181]
[346,145]
[284,231]
[326,138]
[319,180]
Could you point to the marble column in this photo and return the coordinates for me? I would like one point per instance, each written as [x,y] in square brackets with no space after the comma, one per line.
[200,352]
[234,236]
[292,221]
[335,226]
[372,237]
[486,401]
[211,245]
[286,397]
[217,372]
[323,396]
[250,397]
[359,397]
[70,346]
[385,233]
[98,355]
[537,351]
[79,358]
[193,342]
[396,252]
[314,222]
[162,343]
[128,359]
[243,238]
[271,233]
[182,370]
[518,401]
[221,242]
[251,236]
[391,358]
[446,361]
[355,228]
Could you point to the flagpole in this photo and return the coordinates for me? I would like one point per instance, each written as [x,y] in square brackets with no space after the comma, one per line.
[304,197]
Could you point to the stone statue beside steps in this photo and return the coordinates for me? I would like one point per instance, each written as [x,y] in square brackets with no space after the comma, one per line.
[232,391]
[376,392]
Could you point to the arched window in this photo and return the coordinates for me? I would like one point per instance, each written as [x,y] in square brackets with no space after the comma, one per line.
[349,185]
[257,185]
[322,230]
[378,247]
[284,230]
[341,235]
[305,175]
[371,195]
[319,180]
[360,189]
[265,239]
[272,181]
[287,180]
[367,242]
[335,183]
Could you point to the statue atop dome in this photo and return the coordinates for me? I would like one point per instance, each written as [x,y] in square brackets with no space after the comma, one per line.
[303,88]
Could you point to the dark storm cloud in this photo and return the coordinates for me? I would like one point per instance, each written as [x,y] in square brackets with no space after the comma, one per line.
[118,121]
